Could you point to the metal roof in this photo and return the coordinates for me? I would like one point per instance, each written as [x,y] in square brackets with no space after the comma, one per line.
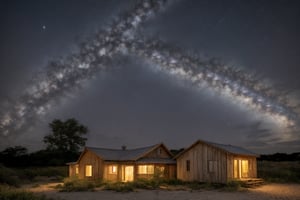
[225,147]
[121,155]
[232,149]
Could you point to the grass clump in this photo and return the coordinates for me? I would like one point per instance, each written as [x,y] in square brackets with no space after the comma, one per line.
[279,172]
[9,176]
[74,184]
[233,186]
[120,186]
[57,173]
[7,193]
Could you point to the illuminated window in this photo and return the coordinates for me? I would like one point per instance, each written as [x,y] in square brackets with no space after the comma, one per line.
[146,169]
[245,168]
[235,169]
[88,170]
[241,168]
[76,169]
[112,169]
[188,165]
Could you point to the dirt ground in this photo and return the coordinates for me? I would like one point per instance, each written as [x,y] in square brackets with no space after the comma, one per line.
[265,192]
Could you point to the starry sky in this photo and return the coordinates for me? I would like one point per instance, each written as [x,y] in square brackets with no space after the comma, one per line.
[135,103]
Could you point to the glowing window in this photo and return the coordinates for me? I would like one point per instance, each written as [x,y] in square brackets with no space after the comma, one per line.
[112,169]
[146,169]
[245,168]
[88,170]
[76,169]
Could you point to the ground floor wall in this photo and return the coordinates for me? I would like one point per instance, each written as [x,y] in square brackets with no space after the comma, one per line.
[114,171]
[91,168]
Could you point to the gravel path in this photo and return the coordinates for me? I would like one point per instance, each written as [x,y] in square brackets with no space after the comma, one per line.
[266,192]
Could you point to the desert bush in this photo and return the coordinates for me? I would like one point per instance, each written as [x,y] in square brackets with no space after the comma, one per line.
[31,173]
[283,172]
[120,186]
[173,182]
[74,184]
[8,176]
[7,193]
[233,186]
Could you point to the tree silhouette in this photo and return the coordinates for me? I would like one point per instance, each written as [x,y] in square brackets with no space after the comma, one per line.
[66,136]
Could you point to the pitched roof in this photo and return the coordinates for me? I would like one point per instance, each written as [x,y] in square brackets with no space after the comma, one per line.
[123,155]
[225,147]
[232,149]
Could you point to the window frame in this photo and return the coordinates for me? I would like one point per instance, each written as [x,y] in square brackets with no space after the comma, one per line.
[146,169]
[112,169]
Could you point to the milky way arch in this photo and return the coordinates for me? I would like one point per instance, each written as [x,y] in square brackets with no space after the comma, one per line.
[121,37]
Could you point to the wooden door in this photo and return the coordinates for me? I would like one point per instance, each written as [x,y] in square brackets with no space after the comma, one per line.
[128,173]
[240,169]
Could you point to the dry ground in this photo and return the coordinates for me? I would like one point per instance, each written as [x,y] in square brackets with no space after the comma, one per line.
[266,192]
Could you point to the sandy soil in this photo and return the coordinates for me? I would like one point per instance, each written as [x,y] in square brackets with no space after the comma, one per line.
[266,192]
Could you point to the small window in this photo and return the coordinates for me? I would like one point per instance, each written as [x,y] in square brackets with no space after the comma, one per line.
[212,166]
[88,170]
[158,151]
[112,169]
[188,165]
[76,169]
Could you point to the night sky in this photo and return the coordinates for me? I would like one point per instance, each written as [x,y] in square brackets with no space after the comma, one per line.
[135,100]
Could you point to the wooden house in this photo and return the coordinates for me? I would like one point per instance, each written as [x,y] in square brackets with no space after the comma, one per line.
[211,162]
[124,164]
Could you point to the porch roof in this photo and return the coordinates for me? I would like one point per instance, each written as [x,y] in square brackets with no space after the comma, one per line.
[156,161]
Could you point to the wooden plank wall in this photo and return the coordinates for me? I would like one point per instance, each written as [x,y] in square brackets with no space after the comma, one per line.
[199,157]
[72,170]
[155,153]
[89,158]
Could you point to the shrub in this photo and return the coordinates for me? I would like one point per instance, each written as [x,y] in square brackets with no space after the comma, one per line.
[120,186]
[8,176]
[31,173]
[73,184]
[233,186]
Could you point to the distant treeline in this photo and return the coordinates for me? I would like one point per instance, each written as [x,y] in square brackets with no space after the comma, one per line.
[281,157]
[18,157]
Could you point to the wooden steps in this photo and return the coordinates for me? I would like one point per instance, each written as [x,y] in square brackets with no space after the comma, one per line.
[252,182]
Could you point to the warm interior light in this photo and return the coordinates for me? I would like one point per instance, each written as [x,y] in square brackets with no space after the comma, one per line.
[88,170]
[146,169]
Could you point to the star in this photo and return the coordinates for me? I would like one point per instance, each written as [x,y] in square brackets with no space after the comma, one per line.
[44,27]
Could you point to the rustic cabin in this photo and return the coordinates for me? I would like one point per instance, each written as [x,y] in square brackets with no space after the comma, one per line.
[124,164]
[211,162]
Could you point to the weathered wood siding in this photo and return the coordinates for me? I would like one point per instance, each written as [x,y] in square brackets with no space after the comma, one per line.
[89,158]
[199,157]
[158,152]
[72,170]
[112,177]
